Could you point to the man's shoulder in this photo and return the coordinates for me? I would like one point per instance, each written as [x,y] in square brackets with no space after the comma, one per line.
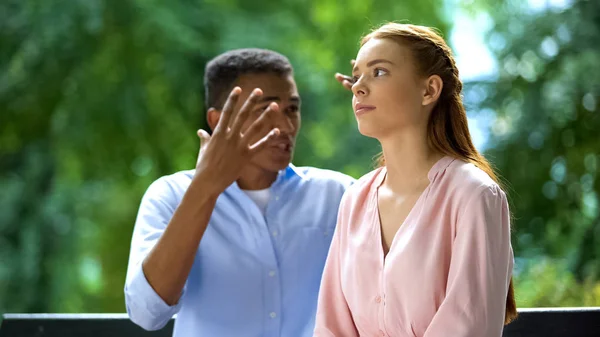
[171,184]
[326,176]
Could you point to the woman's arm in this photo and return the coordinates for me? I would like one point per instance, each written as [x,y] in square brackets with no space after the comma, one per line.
[480,270]
[333,315]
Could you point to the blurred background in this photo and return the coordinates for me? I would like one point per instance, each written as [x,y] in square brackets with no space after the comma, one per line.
[98,98]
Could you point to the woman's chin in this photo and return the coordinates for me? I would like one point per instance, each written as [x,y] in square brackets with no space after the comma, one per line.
[368,130]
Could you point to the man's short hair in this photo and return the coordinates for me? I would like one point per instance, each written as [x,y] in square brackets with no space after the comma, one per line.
[222,71]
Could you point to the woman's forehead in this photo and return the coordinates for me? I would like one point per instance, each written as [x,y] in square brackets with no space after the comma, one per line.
[380,49]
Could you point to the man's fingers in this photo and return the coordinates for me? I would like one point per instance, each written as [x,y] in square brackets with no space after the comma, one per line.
[254,130]
[348,81]
[204,137]
[228,110]
[242,115]
[345,80]
[340,77]
[263,142]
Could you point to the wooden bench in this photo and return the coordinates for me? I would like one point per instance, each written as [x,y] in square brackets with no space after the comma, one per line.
[538,322]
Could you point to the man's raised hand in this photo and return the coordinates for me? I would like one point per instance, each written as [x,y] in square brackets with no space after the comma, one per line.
[223,155]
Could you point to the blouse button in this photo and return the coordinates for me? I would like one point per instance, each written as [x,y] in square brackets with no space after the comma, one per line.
[378,299]
[382,332]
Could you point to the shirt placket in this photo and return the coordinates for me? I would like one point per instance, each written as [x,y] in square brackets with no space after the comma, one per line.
[380,303]
[272,283]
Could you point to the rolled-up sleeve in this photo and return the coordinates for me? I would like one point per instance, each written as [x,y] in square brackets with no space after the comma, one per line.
[144,306]
[480,270]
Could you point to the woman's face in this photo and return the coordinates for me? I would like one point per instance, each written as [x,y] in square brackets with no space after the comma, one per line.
[388,93]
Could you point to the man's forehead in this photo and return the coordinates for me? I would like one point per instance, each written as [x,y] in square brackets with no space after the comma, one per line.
[266,80]
[274,87]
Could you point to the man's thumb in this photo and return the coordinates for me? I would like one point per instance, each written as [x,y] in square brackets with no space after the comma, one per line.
[204,137]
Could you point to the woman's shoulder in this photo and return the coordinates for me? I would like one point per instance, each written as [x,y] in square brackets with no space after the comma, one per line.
[462,183]
[467,176]
[470,190]
[366,181]
[363,185]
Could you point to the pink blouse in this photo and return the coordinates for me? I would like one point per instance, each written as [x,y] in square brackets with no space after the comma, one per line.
[447,271]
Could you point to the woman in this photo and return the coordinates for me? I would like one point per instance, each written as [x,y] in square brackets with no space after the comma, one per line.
[422,246]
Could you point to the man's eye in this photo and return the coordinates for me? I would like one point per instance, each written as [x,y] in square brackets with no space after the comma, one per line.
[258,111]
[354,79]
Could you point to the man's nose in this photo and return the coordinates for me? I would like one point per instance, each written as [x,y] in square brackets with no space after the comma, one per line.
[283,122]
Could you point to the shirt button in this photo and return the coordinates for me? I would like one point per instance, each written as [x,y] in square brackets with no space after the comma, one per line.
[276,198]
[381,332]
[273,315]
[271,273]
[274,233]
[325,233]
[378,299]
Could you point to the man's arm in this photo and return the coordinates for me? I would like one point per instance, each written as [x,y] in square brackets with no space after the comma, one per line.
[168,264]
[144,305]
[166,267]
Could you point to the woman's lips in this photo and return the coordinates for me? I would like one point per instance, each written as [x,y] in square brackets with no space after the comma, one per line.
[361,109]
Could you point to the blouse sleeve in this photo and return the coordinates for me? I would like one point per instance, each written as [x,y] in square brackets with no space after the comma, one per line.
[480,270]
[333,315]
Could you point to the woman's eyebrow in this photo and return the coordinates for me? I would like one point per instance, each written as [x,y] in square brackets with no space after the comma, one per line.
[372,63]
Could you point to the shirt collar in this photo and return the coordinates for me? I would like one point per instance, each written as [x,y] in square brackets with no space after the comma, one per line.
[438,167]
[291,171]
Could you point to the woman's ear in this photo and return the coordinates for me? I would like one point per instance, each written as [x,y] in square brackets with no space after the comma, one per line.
[212,117]
[433,89]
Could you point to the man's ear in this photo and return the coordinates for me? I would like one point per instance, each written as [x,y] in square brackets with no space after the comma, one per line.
[433,89]
[212,117]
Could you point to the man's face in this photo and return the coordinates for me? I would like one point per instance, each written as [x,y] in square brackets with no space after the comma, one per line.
[281,90]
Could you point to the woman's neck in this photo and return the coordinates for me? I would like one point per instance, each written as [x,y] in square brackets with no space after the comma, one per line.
[408,160]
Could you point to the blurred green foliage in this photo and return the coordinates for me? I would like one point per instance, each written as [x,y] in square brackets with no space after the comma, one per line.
[100,97]
[544,118]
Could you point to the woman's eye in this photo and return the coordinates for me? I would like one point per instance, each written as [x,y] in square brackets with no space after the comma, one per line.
[379,72]
[354,79]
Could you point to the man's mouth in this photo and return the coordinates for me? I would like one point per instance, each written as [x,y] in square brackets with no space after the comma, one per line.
[282,145]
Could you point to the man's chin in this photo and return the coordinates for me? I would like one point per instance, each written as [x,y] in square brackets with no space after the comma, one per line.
[278,166]
[273,162]
[274,165]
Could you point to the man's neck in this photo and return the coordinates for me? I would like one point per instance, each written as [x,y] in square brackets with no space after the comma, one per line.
[255,178]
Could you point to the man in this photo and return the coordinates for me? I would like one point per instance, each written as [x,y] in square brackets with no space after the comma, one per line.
[237,246]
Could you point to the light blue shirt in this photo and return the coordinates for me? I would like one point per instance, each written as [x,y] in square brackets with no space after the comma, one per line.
[253,274]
